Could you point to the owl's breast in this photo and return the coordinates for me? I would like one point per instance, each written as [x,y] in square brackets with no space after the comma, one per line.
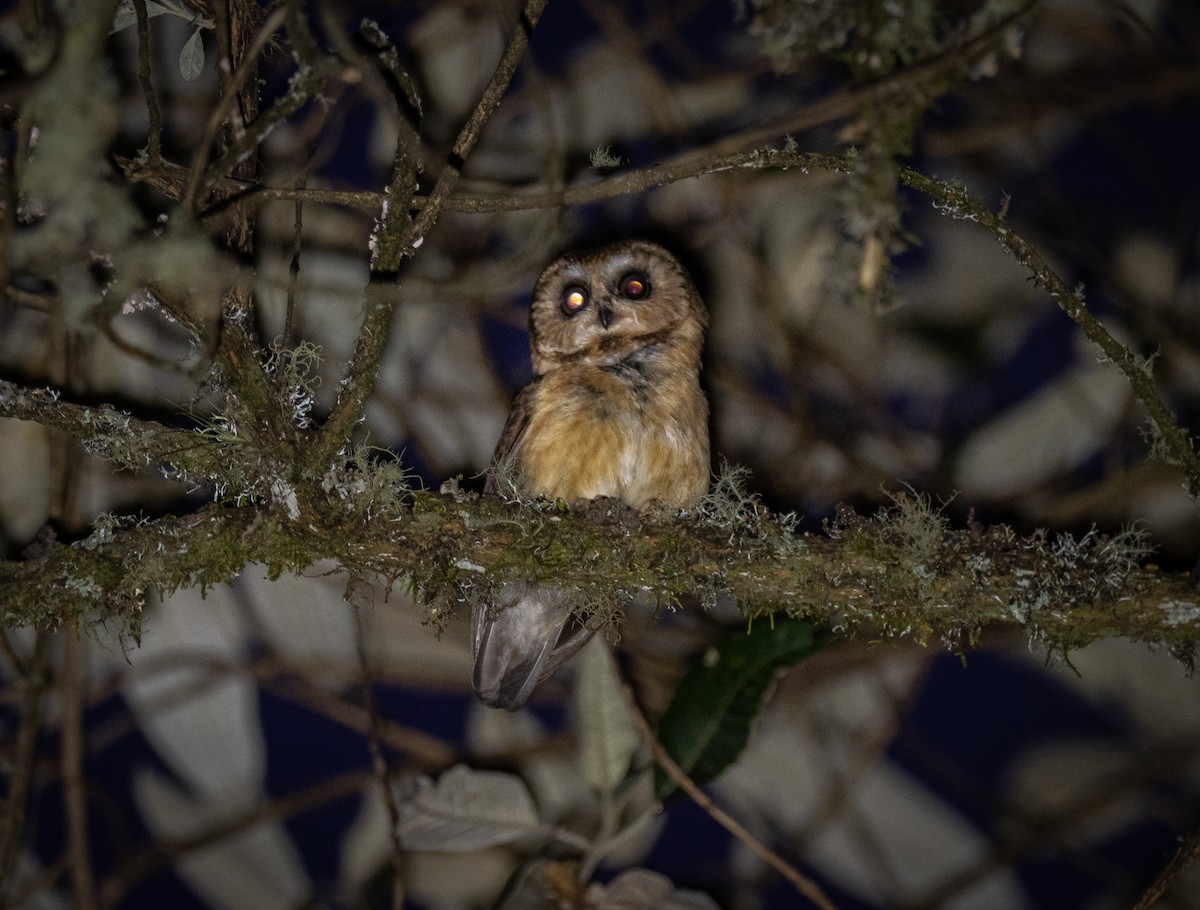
[596,432]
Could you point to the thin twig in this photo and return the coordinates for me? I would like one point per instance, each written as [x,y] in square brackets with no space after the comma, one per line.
[1188,853]
[373,334]
[956,202]
[241,35]
[473,129]
[282,677]
[148,357]
[8,223]
[226,105]
[154,132]
[12,818]
[683,167]
[379,764]
[18,665]
[294,267]
[802,883]
[166,851]
[421,749]
[387,243]
[83,884]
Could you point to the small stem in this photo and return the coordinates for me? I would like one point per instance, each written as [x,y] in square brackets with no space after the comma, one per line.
[12,818]
[601,842]
[227,105]
[1188,853]
[83,884]
[379,764]
[471,131]
[959,203]
[154,133]
[802,883]
[294,268]
[140,866]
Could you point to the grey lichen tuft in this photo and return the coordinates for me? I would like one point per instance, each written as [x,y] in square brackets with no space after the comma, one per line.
[295,373]
[602,157]
[917,528]
[1073,573]
[729,505]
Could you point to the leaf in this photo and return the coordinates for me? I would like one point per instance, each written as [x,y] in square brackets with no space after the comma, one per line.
[126,15]
[641,889]
[607,737]
[708,722]
[191,58]
[467,810]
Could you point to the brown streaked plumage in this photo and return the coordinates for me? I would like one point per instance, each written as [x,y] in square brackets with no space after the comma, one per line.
[615,410]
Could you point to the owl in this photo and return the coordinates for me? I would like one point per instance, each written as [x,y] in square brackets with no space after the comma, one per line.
[615,410]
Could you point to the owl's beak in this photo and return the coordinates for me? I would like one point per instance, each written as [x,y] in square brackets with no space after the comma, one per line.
[604,313]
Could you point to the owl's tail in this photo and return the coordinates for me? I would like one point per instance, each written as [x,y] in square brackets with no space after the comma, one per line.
[522,641]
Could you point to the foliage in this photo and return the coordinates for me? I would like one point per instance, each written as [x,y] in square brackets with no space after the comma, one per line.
[708,722]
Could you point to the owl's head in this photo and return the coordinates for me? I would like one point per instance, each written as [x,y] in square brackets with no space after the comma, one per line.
[599,306]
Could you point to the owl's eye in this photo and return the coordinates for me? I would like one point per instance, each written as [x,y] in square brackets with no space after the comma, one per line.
[574,299]
[635,286]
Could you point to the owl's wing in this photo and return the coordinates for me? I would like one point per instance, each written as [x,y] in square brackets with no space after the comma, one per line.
[514,431]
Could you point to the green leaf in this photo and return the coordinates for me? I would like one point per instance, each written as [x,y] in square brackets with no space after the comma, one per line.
[708,722]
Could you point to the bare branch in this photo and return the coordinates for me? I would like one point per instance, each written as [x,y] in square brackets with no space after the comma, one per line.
[154,135]
[246,138]
[379,764]
[372,337]
[1185,856]
[74,786]
[12,818]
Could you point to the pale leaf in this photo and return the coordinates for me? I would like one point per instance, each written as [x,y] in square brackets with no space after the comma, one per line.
[127,15]
[607,738]
[191,58]
[641,889]
[468,810]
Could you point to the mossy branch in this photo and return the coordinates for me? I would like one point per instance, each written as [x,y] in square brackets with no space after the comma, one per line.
[112,434]
[900,575]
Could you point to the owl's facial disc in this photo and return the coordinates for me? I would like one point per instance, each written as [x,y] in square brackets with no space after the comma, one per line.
[594,305]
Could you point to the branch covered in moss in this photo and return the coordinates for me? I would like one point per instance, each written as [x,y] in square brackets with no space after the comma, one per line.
[902,574]
[110,433]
